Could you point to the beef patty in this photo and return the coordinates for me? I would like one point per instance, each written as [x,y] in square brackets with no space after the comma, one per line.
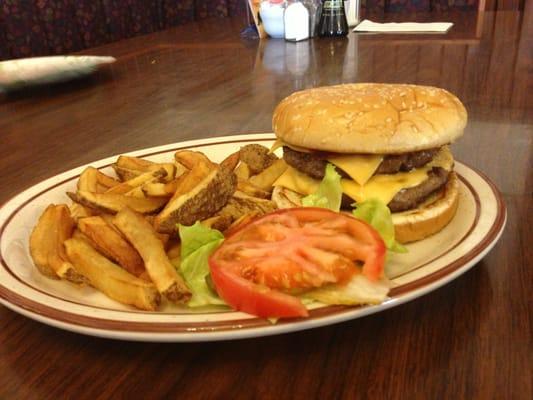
[407,199]
[314,165]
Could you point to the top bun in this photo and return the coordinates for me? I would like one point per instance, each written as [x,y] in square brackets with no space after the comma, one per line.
[370,118]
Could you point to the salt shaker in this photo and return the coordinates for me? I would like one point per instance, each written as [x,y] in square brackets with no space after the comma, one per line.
[296,19]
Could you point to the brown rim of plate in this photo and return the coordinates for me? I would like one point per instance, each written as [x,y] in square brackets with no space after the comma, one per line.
[245,323]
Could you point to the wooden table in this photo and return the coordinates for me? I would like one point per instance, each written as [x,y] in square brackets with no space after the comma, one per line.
[471,339]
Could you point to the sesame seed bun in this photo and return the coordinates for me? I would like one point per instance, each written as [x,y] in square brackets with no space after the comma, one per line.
[374,118]
[429,218]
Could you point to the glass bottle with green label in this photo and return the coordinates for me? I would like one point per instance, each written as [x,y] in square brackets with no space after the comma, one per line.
[333,19]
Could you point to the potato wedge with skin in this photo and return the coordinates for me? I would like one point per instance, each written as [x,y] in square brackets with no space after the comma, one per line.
[257,157]
[242,171]
[174,251]
[111,244]
[158,189]
[191,159]
[180,169]
[130,184]
[240,222]
[185,183]
[201,201]
[218,222]
[241,204]
[109,219]
[142,236]
[169,168]
[125,174]
[40,246]
[231,161]
[252,190]
[267,177]
[55,226]
[134,163]
[101,188]
[105,180]
[111,279]
[135,192]
[164,237]
[112,203]
[88,180]
[78,211]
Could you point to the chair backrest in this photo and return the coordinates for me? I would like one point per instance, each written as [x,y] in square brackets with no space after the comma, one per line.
[27,28]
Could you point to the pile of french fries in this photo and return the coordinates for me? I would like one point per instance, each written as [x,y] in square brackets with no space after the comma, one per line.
[119,234]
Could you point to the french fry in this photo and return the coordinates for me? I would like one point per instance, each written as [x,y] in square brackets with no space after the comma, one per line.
[156,189]
[46,243]
[134,163]
[111,244]
[142,236]
[78,211]
[265,179]
[241,221]
[242,204]
[218,222]
[242,171]
[198,197]
[111,279]
[95,181]
[112,203]
[109,219]
[174,251]
[126,174]
[191,159]
[252,190]
[169,168]
[180,169]
[257,157]
[135,192]
[88,180]
[105,180]
[101,188]
[231,161]
[130,184]
[164,237]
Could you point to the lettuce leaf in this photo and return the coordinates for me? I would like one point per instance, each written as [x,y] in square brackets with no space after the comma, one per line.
[197,244]
[358,290]
[329,193]
[377,214]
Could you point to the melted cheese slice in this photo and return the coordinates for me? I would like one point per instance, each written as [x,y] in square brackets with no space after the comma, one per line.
[383,187]
[360,167]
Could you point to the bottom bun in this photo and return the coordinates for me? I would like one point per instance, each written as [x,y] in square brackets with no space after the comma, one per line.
[409,226]
[429,218]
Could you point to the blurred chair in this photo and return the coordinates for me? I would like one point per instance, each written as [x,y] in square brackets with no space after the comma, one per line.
[44,27]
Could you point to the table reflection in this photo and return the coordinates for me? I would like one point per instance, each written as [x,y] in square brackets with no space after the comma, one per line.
[310,62]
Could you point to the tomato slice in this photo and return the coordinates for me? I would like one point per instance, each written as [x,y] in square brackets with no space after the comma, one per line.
[261,264]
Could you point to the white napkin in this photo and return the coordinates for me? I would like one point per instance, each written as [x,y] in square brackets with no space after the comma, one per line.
[403,27]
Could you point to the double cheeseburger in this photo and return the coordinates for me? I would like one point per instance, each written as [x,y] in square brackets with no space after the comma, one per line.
[387,141]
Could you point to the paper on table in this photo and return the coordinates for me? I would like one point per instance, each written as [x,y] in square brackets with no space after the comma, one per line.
[403,27]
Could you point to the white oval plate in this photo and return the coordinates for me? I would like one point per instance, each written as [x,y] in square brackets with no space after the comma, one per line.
[16,74]
[429,264]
